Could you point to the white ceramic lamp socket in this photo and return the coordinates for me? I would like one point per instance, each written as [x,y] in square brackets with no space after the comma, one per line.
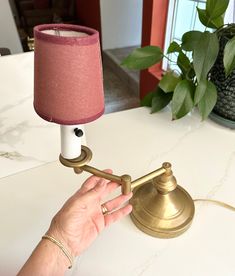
[71,137]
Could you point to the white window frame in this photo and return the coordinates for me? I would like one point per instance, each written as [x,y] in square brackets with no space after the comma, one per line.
[229,18]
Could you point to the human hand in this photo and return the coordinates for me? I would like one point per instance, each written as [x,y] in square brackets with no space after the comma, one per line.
[80,220]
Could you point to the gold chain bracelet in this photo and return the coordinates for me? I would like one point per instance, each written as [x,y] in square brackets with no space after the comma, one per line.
[61,246]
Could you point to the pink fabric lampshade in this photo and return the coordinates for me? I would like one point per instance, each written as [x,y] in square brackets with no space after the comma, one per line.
[68,81]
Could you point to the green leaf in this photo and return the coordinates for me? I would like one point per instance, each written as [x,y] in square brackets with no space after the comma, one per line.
[209,22]
[182,101]
[229,56]
[190,39]
[202,88]
[173,48]
[169,81]
[184,63]
[147,100]
[200,91]
[208,100]
[160,100]
[205,54]
[191,74]
[142,58]
[215,8]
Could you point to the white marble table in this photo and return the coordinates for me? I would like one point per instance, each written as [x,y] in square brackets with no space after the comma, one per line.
[134,142]
[26,141]
[24,137]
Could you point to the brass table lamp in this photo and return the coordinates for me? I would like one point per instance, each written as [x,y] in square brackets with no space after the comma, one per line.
[68,90]
[161,208]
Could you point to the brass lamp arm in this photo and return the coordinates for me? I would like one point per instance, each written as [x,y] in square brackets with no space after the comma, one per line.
[80,164]
[125,180]
[147,177]
[102,174]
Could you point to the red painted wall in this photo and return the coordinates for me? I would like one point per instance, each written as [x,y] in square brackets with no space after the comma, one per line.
[153,33]
[88,14]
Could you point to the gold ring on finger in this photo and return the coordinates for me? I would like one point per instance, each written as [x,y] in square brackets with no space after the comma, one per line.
[104,209]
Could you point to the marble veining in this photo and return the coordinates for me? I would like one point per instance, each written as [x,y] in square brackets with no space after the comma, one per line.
[14,155]
[10,106]
[225,177]
[26,140]
[11,155]
[169,148]
[142,269]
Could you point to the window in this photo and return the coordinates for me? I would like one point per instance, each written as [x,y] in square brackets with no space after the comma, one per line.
[164,21]
[183,17]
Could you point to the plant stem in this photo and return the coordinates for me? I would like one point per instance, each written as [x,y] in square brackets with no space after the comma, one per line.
[165,56]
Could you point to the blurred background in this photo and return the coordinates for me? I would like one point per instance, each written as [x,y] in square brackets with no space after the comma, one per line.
[123,25]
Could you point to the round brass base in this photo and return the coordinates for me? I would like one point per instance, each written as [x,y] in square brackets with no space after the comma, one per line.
[162,215]
[80,161]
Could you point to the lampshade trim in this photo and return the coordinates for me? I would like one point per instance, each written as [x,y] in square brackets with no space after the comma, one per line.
[64,122]
[92,38]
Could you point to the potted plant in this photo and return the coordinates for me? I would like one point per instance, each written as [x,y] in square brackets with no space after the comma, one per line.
[200,58]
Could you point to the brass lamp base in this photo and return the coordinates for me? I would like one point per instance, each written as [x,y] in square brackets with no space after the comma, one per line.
[162,215]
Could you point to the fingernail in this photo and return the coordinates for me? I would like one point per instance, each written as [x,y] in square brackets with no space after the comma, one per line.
[108,170]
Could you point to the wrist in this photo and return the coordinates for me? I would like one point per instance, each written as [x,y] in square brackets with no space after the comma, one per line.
[57,256]
[47,259]
[58,234]
[63,253]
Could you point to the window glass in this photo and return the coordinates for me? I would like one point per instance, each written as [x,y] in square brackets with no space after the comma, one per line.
[185,18]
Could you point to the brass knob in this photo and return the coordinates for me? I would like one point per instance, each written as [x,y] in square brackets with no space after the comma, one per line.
[165,182]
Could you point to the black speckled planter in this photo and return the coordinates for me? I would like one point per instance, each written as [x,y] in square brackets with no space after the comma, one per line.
[222,121]
[224,110]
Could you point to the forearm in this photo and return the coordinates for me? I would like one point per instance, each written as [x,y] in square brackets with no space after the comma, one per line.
[47,260]
[74,228]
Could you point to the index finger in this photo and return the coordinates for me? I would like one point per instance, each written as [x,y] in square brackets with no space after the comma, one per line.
[92,181]
[111,186]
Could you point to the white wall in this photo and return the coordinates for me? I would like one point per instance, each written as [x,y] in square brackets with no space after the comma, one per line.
[9,37]
[230,14]
[121,22]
